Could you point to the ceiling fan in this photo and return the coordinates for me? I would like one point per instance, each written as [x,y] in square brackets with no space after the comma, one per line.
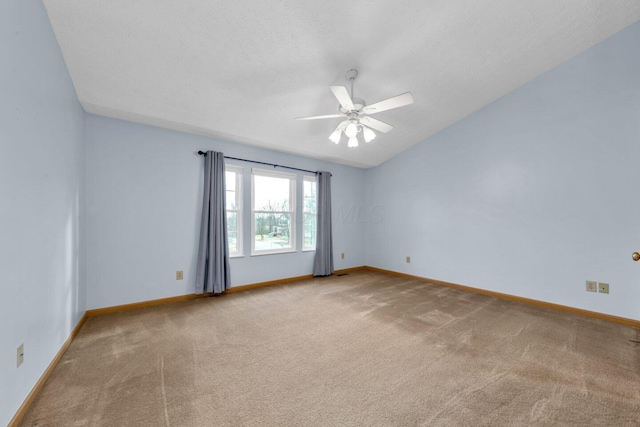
[357,112]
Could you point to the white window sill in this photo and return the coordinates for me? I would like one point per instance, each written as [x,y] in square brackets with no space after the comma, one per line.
[261,253]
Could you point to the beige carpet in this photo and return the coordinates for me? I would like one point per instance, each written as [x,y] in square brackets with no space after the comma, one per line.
[365,349]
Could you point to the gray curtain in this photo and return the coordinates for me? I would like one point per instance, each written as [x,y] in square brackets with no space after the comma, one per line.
[323,264]
[212,273]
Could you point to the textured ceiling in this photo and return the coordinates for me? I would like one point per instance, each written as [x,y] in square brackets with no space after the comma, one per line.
[242,71]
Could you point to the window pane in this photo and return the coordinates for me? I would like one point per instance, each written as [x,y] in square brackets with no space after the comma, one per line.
[232,231]
[310,224]
[230,180]
[310,196]
[309,219]
[273,231]
[271,193]
[231,193]
[233,200]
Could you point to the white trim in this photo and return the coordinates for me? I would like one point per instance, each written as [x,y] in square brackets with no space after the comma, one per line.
[233,168]
[275,252]
[273,174]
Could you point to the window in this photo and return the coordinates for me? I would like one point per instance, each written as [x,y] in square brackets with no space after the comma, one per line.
[310,213]
[273,212]
[233,181]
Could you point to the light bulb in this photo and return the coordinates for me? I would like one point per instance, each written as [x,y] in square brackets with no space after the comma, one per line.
[335,136]
[353,142]
[369,135]
[351,130]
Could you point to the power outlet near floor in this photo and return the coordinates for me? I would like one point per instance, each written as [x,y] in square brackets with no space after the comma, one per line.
[600,287]
[20,355]
[408,260]
[179,275]
[342,255]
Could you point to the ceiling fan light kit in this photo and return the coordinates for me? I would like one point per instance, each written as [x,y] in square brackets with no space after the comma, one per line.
[351,130]
[356,112]
[335,136]
[368,134]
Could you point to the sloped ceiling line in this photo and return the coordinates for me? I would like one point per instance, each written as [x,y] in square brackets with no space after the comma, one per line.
[242,71]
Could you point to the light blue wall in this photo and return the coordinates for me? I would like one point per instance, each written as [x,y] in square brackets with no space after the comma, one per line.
[42,195]
[530,196]
[144,207]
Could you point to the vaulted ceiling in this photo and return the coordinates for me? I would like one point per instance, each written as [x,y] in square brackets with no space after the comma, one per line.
[242,71]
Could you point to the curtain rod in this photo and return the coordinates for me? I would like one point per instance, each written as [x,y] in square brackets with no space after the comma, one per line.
[202,153]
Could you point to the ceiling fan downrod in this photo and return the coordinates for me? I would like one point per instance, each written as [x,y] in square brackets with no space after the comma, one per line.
[351,76]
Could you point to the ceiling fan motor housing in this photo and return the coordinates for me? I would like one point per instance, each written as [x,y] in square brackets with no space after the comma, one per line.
[358,105]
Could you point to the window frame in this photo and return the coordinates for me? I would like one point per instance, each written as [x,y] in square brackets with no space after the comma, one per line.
[293,179]
[239,171]
[309,178]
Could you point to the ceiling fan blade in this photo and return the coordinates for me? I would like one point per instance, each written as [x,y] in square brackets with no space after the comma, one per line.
[395,102]
[328,116]
[344,99]
[342,125]
[376,124]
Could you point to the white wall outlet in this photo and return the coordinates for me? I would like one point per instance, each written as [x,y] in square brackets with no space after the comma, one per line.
[603,288]
[592,286]
[20,355]
[179,275]
[342,255]
[408,260]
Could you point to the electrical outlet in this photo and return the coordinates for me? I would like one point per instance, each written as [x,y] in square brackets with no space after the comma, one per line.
[342,256]
[592,286]
[603,288]
[179,275]
[20,355]
[408,260]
